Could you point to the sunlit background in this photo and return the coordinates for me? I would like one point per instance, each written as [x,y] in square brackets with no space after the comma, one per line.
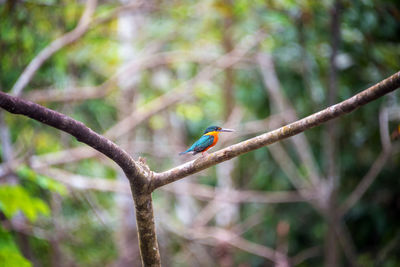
[151,76]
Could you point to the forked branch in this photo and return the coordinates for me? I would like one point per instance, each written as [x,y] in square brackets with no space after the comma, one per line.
[105,146]
[143,181]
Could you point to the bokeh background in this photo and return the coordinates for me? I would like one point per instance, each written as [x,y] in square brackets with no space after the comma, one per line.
[151,76]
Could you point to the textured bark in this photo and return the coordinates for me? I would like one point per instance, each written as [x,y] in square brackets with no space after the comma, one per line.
[129,29]
[136,172]
[146,229]
[143,181]
[386,86]
[75,128]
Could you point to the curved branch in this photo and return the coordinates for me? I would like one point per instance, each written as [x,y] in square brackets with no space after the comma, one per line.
[85,23]
[366,181]
[54,46]
[143,181]
[360,99]
[75,128]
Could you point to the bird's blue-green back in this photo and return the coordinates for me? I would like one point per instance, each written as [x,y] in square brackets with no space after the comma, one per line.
[201,144]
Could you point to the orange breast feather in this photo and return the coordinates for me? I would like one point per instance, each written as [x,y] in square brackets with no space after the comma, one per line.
[215,135]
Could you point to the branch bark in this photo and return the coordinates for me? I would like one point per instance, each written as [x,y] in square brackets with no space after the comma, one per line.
[143,181]
[136,172]
[332,112]
[75,128]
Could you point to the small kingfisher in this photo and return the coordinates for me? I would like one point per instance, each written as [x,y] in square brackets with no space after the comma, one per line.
[208,140]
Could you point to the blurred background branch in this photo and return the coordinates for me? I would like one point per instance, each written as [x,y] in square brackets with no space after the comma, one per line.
[153,75]
[48,51]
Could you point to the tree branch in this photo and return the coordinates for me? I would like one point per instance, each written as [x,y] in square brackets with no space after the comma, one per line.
[288,114]
[75,128]
[366,181]
[146,230]
[68,38]
[143,181]
[366,96]
[54,46]
[205,192]
[136,172]
[183,90]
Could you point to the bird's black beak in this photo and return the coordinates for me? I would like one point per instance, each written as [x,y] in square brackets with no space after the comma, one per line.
[226,130]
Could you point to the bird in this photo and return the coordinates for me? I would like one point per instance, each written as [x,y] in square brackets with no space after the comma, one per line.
[208,140]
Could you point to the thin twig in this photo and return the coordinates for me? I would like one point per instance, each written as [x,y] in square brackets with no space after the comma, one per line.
[85,23]
[366,181]
[54,46]
[138,64]
[306,254]
[143,181]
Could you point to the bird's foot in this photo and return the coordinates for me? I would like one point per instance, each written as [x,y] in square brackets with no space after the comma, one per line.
[203,154]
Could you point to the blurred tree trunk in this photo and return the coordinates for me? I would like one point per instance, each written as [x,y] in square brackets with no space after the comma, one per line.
[57,259]
[228,212]
[143,181]
[186,207]
[227,44]
[331,142]
[126,237]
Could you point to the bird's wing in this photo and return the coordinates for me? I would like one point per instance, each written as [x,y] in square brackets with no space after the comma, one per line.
[201,144]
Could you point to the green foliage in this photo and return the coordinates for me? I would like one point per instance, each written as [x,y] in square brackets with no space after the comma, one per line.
[26,173]
[298,39]
[10,256]
[16,198]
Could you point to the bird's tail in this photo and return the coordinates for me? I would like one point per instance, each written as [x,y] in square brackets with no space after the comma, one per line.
[182,153]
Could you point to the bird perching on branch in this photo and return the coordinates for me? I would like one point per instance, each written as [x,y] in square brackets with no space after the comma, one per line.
[208,140]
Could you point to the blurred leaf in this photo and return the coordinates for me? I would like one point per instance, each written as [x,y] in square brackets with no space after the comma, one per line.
[9,253]
[24,172]
[16,198]
[190,112]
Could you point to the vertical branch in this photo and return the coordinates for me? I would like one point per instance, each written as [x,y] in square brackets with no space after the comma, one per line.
[283,105]
[330,139]
[228,47]
[127,236]
[57,258]
[5,140]
[306,66]
[7,157]
[146,229]
[331,129]
[366,181]
[282,242]
[341,233]
[226,214]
